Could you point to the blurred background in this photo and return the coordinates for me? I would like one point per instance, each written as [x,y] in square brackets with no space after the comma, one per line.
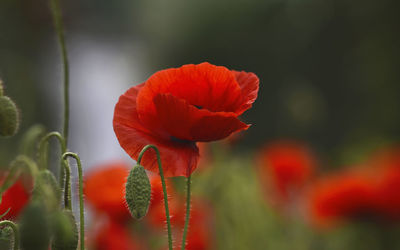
[329,80]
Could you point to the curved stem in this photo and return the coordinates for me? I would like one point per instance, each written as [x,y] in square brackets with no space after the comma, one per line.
[43,155]
[163,186]
[58,23]
[14,227]
[189,181]
[81,208]
[13,175]
[42,146]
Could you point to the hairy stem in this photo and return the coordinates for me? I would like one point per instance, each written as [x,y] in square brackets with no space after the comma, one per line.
[58,23]
[164,189]
[189,181]
[81,208]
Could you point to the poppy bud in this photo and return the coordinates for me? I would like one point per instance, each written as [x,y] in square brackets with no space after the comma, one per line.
[9,117]
[138,192]
[34,228]
[65,231]
[6,238]
[47,190]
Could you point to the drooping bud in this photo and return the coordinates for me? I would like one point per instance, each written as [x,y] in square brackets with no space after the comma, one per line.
[65,231]
[9,117]
[6,238]
[47,190]
[34,228]
[138,192]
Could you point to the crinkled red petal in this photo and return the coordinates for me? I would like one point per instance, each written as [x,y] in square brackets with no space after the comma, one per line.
[178,159]
[186,122]
[204,85]
[249,83]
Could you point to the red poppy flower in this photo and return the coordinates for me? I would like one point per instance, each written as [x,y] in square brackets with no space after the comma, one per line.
[287,166]
[342,197]
[104,190]
[175,108]
[15,197]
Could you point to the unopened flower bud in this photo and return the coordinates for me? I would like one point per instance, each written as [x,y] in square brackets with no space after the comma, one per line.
[65,231]
[9,117]
[34,228]
[47,190]
[138,192]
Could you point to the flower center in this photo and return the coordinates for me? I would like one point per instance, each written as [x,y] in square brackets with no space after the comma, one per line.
[174,139]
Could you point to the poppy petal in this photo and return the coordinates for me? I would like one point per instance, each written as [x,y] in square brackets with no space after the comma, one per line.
[204,85]
[178,159]
[193,124]
[249,83]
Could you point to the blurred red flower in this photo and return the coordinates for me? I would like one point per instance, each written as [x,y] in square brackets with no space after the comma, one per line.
[369,193]
[343,196]
[15,197]
[388,193]
[114,236]
[285,167]
[104,189]
[387,165]
[177,107]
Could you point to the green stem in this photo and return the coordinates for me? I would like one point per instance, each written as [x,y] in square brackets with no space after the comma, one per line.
[14,227]
[81,208]
[189,181]
[67,187]
[58,23]
[163,186]
[42,146]
[43,155]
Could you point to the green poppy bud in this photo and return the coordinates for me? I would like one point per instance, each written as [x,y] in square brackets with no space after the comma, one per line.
[65,231]
[6,238]
[47,190]
[34,228]
[9,117]
[138,192]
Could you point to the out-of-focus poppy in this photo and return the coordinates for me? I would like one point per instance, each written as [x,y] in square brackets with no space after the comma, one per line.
[104,190]
[175,108]
[114,236]
[285,167]
[345,196]
[388,193]
[14,198]
[386,166]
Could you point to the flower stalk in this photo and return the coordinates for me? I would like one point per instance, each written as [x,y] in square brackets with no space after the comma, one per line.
[58,23]
[185,229]
[81,206]
[163,186]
